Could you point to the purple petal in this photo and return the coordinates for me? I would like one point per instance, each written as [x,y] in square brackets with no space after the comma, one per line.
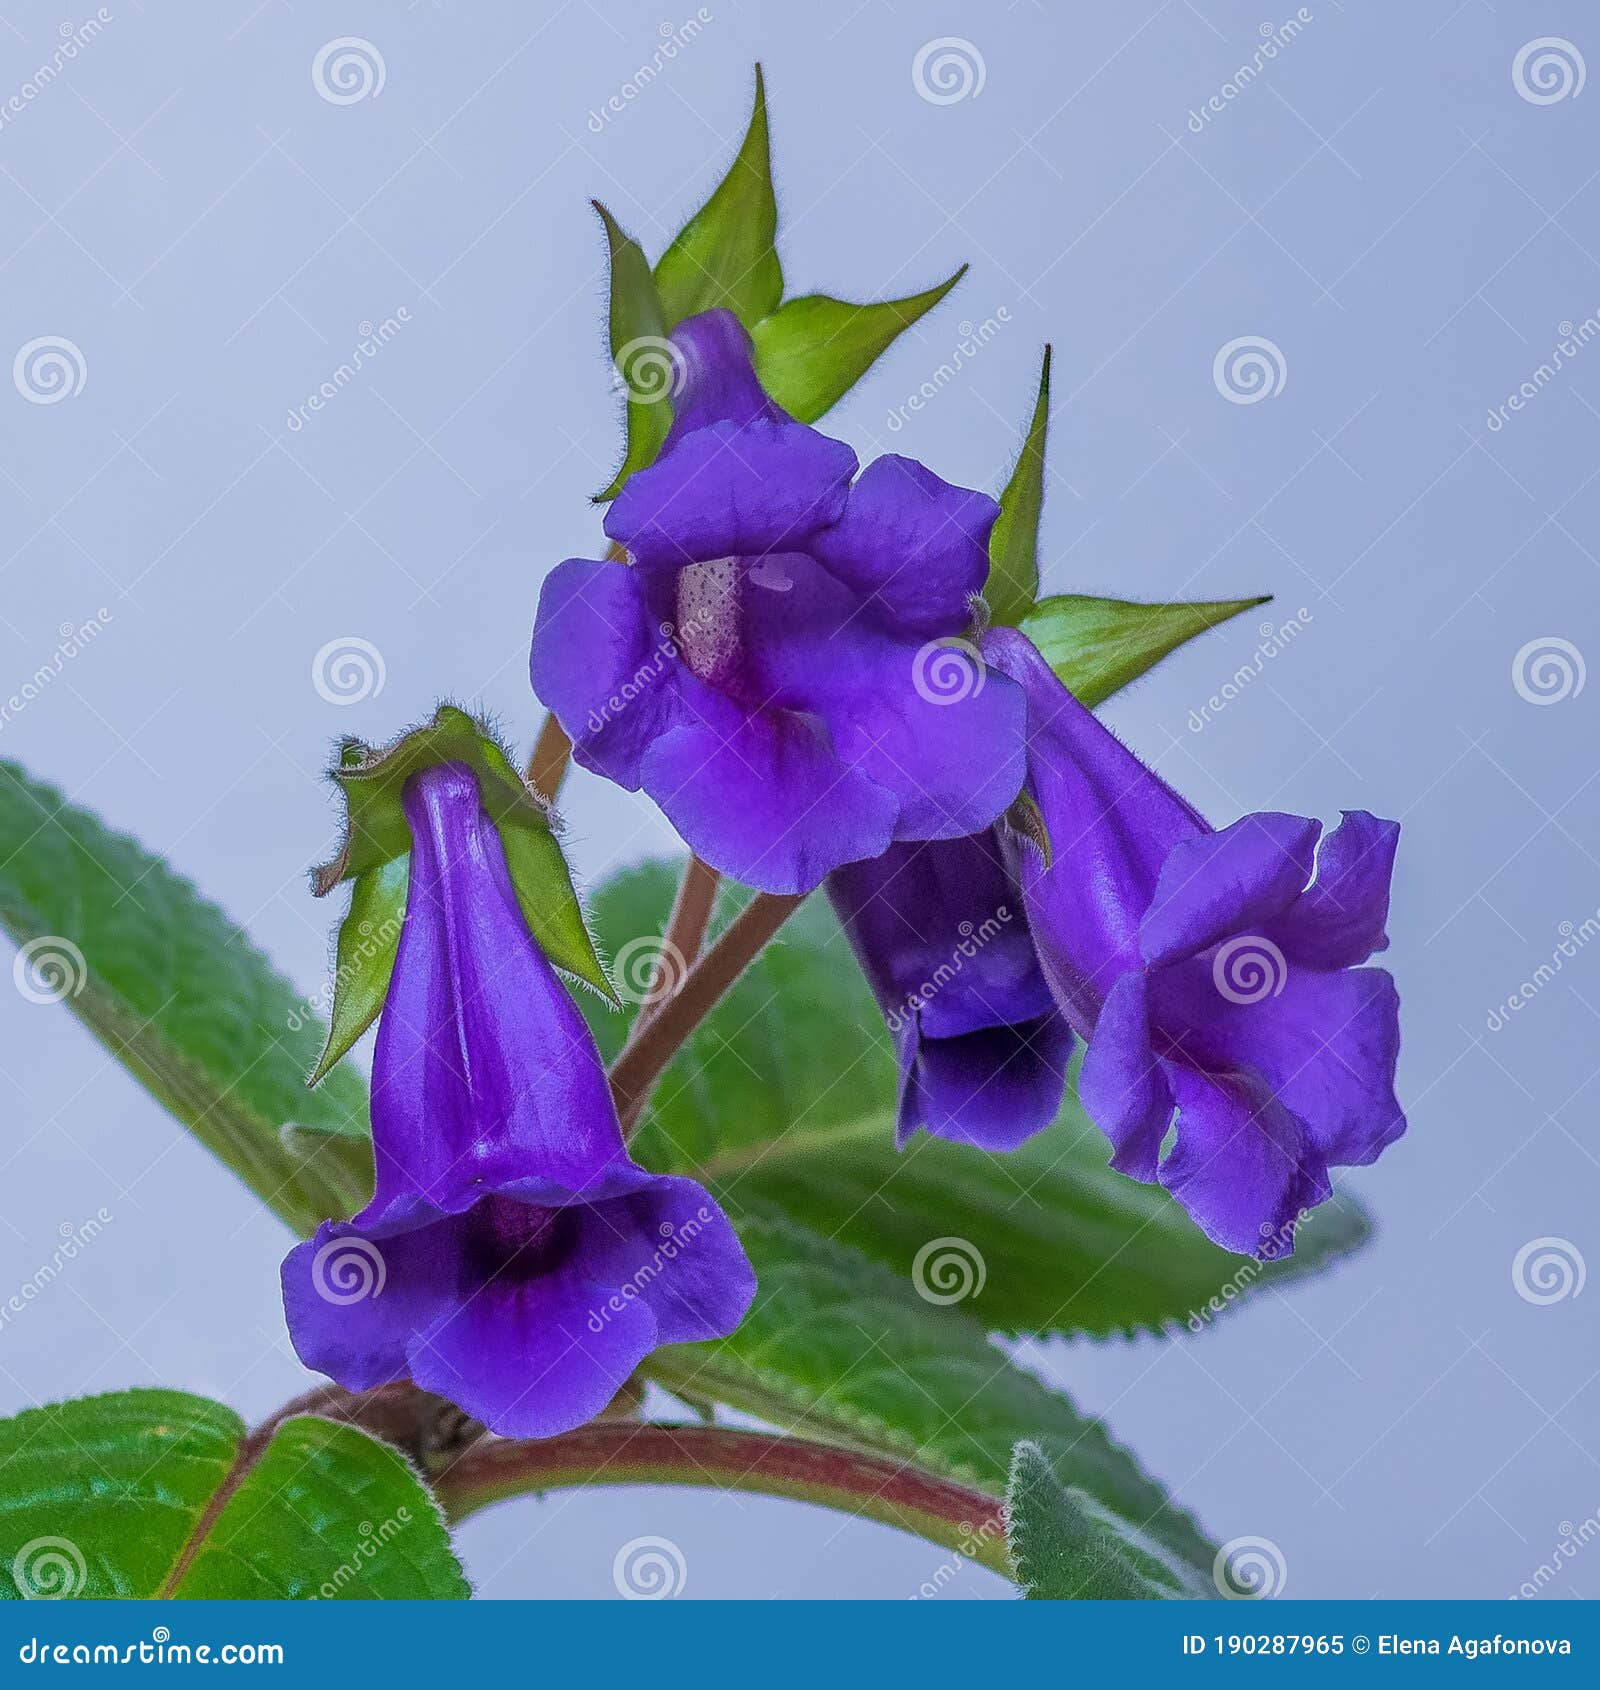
[1327,1043]
[605,666]
[767,800]
[718,381]
[671,1247]
[1338,921]
[1123,1086]
[915,544]
[1112,823]
[484,1071]
[534,1357]
[993,1088]
[1241,1165]
[1232,881]
[729,491]
[353,1302]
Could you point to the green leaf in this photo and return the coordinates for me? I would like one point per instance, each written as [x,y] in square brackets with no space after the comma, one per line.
[369,938]
[841,1348]
[811,351]
[377,832]
[645,361]
[161,1494]
[1097,646]
[785,1096]
[1013,584]
[725,254]
[1065,1549]
[182,998]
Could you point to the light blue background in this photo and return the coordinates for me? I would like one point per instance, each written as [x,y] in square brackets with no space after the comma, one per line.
[1381,204]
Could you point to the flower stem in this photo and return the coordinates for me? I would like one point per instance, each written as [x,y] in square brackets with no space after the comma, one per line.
[680,949]
[547,767]
[636,1071]
[619,1453]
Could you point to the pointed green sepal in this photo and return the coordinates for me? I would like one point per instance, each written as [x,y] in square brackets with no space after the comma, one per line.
[369,936]
[1097,646]
[726,255]
[378,837]
[811,351]
[1013,585]
[645,360]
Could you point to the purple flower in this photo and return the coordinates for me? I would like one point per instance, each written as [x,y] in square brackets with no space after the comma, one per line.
[942,937]
[1212,973]
[761,668]
[513,1257]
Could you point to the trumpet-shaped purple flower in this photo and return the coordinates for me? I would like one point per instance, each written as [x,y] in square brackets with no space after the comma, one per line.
[513,1257]
[942,937]
[1212,973]
[767,667]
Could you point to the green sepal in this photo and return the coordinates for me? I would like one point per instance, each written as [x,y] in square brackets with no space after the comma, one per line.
[377,833]
[645,361]
[1066,1548]
[811,351]
[369,937]
[1097,646]
[1013,585]
[726,254]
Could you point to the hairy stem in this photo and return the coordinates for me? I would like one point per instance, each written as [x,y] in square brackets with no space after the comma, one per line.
[636,1071]
[680,948]
[547,767]
[618,1453]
